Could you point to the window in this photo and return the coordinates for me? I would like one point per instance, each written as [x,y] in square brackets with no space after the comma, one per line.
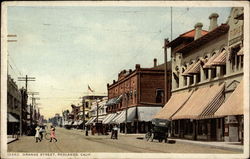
[234,58]
[213,72]
[159,95]
[191,79]
[86,104]
[206,73]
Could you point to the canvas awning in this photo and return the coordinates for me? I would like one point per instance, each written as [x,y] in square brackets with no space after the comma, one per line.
[176,101]
[234,104]
[195,69]
[185,73]
[100,118]
[111,101]
[220,59]
[208,64]
[12,119]
[146,113]
[75,123]
[91,120]
[109,117]
[240,52]
[121,118]
[203,103]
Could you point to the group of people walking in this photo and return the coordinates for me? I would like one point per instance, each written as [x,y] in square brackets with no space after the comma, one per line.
[39,133]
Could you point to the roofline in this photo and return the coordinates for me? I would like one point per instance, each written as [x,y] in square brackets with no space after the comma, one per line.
[220,30]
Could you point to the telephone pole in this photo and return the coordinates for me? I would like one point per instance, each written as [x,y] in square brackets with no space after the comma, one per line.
[83,111]
[166,42]
[26,79]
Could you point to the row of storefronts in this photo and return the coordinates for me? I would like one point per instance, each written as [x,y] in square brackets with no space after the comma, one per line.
[207,82]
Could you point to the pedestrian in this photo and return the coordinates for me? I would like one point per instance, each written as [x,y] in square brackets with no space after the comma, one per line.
[52,134]
[41,131]
[37,135]
[115,132]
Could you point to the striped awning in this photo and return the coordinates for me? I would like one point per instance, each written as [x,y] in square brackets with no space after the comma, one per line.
[220,59]
[234,104]
[196,68]
[91,120]
[208,64]
[185,73]
[176,101]
[108,118]
[241,52]
[203,103]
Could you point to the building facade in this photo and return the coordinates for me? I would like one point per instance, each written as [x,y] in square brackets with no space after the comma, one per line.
[135,97]
[206,70]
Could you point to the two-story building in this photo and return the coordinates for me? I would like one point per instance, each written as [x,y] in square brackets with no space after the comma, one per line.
[206,70]
[14,107]
[135,97]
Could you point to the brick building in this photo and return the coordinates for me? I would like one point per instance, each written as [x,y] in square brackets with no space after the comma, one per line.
[139,94]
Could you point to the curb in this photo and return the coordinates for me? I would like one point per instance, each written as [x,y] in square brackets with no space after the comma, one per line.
[12,140]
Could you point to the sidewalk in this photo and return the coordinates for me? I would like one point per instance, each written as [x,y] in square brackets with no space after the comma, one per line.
[236,146]
[9,140]
[233,146]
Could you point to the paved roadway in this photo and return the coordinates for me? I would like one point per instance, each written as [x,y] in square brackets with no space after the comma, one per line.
[75,141]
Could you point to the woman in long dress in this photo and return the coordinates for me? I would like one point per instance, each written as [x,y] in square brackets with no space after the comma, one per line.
[52,134]
[37,135]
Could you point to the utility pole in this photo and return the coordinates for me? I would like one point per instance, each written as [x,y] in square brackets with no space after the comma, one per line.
[126,114]
[26,79]
[97,113]
[83,111]
[166,42]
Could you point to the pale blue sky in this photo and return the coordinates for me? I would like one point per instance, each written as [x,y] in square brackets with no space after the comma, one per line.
[67,48]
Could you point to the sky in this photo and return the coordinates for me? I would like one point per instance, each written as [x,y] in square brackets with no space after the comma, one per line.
[67,48]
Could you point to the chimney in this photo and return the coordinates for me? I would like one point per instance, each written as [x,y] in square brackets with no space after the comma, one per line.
[198,29]
[113,81]
[130,70]
[213,21]
[137,66]
[155,62]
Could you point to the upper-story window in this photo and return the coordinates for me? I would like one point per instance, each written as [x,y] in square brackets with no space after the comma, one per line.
[159,95]
[86,104]
[235,60]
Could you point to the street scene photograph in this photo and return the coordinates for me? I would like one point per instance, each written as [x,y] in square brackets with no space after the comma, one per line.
[118,79]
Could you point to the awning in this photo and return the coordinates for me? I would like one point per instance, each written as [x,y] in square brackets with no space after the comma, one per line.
[203,103]
[112,101]
[75,123]
[220,59]
[80,122]
[100,118]
[241,52]
[108,118]
[208,64]
[176,101]
[131,112]
[185,73]
[196,68]
[146,113]
[12,119]
[234,104]
[90,120]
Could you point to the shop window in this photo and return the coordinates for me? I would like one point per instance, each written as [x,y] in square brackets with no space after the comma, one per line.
[176,127]
[159,95]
